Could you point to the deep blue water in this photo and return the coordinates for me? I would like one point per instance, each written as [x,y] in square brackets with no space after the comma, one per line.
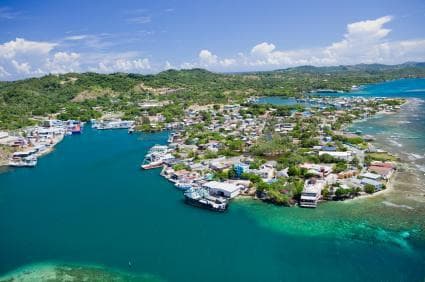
[88,202]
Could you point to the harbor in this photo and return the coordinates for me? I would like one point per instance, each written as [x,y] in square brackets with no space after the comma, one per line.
[58,213]
[34,142]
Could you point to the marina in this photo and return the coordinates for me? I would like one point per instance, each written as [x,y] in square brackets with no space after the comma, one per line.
[113,124]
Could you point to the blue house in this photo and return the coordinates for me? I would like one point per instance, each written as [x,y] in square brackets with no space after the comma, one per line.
[240,168]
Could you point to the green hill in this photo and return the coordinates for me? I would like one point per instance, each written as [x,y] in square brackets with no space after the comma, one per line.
[86,95]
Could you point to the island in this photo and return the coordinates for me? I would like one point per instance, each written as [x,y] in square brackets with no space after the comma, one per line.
[224,143]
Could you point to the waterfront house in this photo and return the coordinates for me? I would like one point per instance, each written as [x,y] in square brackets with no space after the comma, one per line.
[224,189]
[183,176]
[385,172]
[372,176]
[378,185]
[312,192]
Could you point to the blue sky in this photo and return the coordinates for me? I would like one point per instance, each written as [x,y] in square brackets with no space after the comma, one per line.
[39,37]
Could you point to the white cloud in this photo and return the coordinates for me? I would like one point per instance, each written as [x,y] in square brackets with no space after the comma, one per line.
[23,68]
[22,58]
[77,37]
[364,42]
[123,65]
[227,62]
[168,65]
[207,58]
[63,62]
[3,72]
[21,46]
[188,65]
[371,29]
[263,49]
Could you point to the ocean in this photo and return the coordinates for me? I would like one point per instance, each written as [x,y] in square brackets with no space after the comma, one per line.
[87,208]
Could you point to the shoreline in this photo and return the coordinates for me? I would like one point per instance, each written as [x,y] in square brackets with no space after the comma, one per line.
[389,188]
[405,168]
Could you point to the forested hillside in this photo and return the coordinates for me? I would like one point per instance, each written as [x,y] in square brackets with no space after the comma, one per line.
[84,96]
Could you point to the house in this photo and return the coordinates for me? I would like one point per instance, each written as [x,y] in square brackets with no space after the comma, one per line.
[213,146]
[224,189]
[241,168]
[385,172]
[382,168]
[311,193]
[183,175]
[378,185]
[372,176]
[220,164]
[322,170]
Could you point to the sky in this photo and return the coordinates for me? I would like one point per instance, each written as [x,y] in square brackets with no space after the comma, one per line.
[60,36]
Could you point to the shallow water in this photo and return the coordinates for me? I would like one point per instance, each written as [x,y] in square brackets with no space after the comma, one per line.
[87,203]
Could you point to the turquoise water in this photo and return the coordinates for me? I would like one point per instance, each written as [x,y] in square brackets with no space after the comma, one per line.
[88,203]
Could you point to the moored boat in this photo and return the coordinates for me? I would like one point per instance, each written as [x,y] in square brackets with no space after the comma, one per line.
[184,186]
[23,159]
[156,157]
[152,165]
[201,199]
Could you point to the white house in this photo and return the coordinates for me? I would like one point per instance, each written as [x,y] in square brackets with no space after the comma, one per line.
[225,189]
[311,193]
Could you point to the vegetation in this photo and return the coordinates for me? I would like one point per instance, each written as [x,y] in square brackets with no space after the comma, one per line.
[370,189]
[380,157]
[180,166]
[85,96]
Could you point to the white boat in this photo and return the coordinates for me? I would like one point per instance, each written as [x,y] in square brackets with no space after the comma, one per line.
[151,165]
[183,186]
[28,161]
[113,124]
[156,157]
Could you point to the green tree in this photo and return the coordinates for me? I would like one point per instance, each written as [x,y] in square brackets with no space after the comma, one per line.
[369,188]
